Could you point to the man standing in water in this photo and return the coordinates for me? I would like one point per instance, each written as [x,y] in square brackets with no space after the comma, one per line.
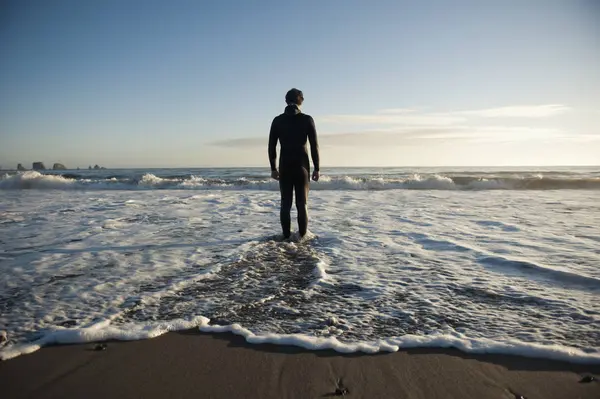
[292,129]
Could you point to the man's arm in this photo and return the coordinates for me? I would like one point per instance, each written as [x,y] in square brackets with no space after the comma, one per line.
[314,144]
[273,137]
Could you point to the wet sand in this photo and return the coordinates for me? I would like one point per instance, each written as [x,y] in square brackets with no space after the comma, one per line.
[193,364]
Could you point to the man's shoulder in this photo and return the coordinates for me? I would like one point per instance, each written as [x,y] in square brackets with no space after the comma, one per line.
[307,117]
[310,122]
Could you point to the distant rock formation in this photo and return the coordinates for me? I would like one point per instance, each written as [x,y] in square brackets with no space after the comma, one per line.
[59,166]
[90,167]
[96,167]
[20,167]
[38,166]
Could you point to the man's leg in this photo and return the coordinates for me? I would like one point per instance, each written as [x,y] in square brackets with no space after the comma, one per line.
[286,186]
[301,188]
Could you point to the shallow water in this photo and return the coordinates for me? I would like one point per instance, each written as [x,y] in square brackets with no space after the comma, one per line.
[511,271]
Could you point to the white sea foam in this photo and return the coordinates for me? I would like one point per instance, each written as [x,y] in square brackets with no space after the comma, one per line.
[150,180]
[321,273]
[32,179]
[101,331]
[105,331]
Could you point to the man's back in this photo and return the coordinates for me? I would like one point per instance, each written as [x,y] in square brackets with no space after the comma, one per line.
[293,129]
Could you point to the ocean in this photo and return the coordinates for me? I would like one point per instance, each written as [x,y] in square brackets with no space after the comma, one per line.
[487,260]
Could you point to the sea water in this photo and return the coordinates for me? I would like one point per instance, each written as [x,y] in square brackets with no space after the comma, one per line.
[484,260]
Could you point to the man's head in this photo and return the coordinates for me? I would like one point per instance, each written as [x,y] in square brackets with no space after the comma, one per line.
[294,96]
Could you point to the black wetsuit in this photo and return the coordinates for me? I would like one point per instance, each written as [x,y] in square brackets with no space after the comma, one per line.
[293,129]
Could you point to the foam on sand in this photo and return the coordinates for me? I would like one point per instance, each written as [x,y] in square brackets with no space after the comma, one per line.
[105,331]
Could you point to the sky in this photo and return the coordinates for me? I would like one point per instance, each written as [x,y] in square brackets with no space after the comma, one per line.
[389,83]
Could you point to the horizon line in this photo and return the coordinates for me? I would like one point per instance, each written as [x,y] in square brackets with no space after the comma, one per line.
[322,167]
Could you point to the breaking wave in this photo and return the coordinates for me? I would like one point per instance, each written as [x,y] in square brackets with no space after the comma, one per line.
[149,181]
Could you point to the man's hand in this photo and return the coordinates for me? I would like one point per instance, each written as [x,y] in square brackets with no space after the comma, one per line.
[275,174]
[315,175]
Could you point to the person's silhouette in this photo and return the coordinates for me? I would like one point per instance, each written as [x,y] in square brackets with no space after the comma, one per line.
[293,129]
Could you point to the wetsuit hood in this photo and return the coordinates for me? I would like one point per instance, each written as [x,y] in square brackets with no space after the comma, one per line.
[292,109]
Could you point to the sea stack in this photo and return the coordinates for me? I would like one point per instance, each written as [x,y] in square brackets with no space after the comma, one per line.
[59,166]
[20,167]
[38,166]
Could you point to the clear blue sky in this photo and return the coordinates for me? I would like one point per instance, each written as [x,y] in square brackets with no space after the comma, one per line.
[196,83]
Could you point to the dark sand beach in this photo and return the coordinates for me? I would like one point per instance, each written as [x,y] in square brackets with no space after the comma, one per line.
[193,364]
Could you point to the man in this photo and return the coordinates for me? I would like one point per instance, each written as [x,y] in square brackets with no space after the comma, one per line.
[292,129]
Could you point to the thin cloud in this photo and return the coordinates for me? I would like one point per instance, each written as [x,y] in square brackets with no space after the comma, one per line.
[407,126]
[372,138]
[580,138]
[397,111]
[403,137]
[519,111]
[412,117]
[241,143]
[487,134]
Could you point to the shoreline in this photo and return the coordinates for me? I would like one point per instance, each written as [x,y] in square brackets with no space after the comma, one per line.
[223,365]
